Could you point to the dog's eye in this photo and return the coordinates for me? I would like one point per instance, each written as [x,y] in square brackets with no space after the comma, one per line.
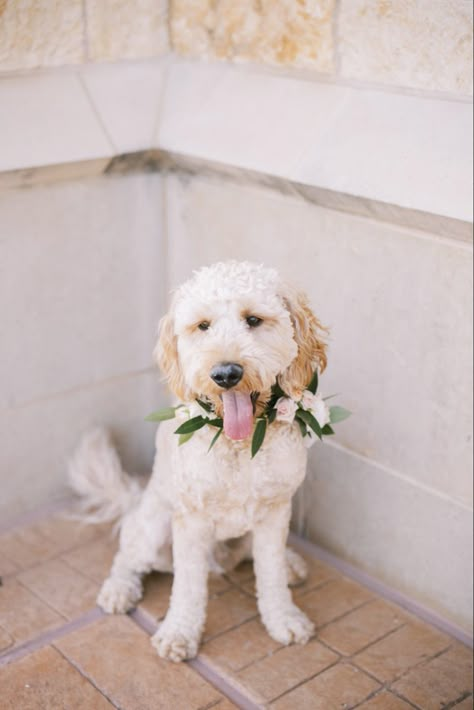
[253,321]
[204,325]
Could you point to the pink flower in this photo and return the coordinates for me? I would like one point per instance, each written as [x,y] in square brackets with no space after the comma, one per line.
[286,409]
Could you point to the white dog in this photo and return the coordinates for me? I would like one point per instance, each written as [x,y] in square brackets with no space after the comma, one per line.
[233,332]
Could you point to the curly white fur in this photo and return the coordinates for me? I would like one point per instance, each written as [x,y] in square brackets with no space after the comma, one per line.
[196,500]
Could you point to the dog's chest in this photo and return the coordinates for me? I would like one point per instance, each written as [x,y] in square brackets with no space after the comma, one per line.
[229,485]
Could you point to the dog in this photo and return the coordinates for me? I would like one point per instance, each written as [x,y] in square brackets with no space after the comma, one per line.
[233,333]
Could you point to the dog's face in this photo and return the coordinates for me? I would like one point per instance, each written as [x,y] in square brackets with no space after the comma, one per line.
[233,331]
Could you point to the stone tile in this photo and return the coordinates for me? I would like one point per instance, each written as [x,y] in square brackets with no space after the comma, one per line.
[44,679]
[157,591]
[362,627]
[333,600]
[228,610]
[118,30]
[61,587]
[438,682]
[6,566]
[274,32]
[217,584]
[239,647]
[68,533]
[318,574]
[95,559]
[26,547]
[127,101]
[466,704]
[399,43]
[33,36]
[22,615]
[225,704]
[118,658]
[385,701]
[286,668]
[65,128]
[397,653]
[338,687]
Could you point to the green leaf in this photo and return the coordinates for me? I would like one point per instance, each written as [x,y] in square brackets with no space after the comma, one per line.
[302,426]
[191,425]
[205,405]
[271,416]
[162,415]
[215,422]
[183,438]
[258,435]
[327,430]
[308,418]
[338,414]
[216,436]
[313,385]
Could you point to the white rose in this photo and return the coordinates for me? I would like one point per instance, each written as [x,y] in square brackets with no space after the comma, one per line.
[286,409]
[317,406]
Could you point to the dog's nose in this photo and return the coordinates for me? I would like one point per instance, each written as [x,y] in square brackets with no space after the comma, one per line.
[227,374]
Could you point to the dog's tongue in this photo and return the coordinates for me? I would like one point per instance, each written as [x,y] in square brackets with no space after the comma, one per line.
[238,414]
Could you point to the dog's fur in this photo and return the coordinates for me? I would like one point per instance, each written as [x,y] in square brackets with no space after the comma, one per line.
[196,500]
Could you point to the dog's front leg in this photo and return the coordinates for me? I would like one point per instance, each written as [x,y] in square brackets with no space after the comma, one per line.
[179,635]
[283,620]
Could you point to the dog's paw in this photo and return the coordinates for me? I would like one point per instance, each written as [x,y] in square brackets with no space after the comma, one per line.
[297,568]
[175,644]
[118,596]
[290,626]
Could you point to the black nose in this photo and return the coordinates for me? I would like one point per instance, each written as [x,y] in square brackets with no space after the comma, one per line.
[227,374]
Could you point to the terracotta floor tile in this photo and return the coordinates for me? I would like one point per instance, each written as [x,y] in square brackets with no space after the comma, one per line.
[389,658]
[45,680]
[385,701]
[224,704]
[217,584]
[240,647]
[362,626]
[119,659]
[466,704]
[157,591]
[7,566]
[318,573]
[95,559]
[228,610]
[326,603]
[338,687]
[6,640]
[26,547]
[438,682]
[274,675]
[22,614]
[62,588]
[70,533]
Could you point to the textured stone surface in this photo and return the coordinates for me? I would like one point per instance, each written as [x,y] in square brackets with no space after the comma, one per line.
[424,44]
[22,615]
[119,29]
[282,32]
[35,33]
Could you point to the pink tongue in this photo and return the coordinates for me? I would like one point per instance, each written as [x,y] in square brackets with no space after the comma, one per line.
[238,414]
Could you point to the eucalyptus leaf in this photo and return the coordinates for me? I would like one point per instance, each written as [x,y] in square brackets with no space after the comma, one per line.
[258,435]
[183,438]
[191,425]
[214,438]
[308,418]
[313,385]
[338,414]
[162,415]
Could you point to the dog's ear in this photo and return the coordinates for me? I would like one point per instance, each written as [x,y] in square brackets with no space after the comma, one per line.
[167,358]
[310,336]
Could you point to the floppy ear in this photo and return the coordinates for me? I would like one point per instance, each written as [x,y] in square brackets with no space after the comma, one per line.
[166,355]
[309,335]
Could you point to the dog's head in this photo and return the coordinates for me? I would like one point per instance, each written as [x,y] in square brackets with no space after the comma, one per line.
[233,331]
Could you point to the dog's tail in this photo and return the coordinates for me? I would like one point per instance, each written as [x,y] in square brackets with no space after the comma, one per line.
[106,493]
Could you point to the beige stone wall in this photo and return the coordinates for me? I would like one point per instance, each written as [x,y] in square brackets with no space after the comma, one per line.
[48,33]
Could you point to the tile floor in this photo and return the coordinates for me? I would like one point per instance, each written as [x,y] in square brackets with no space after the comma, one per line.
[57,650]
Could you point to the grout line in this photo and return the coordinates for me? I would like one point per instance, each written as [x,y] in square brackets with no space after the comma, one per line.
[145,622]
[85,675]
[48,637]
[382,589]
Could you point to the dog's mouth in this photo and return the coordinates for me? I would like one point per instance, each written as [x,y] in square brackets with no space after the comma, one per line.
[238,414]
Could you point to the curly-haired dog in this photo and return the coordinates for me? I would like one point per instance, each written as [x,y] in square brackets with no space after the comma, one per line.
[233,331]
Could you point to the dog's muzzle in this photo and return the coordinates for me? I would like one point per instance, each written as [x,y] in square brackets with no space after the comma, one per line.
[227,374]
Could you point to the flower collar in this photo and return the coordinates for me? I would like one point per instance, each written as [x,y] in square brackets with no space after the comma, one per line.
[310,412]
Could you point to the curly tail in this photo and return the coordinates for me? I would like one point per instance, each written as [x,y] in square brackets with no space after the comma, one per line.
[95,474]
